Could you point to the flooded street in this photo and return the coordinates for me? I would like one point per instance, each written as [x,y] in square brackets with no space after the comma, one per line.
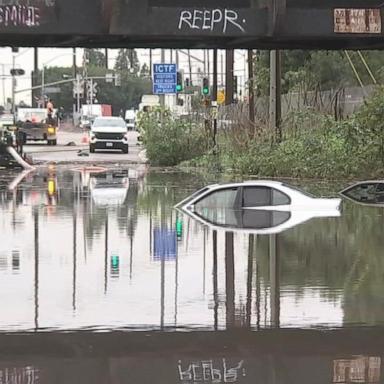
[93,261]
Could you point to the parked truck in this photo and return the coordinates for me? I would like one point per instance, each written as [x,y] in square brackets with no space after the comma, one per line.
[89,112]
[34,124]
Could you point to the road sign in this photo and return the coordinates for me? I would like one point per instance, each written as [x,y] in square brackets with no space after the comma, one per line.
[164,244]
[164,78]
[52,89]
[109,77]
[221,97]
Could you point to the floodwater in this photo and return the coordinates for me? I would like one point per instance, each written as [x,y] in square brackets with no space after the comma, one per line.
[103,281]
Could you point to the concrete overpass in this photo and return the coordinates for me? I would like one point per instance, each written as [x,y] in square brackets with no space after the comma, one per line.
[312,24]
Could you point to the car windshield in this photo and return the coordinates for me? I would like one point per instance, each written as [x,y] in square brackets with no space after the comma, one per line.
[109,123]
[191,197]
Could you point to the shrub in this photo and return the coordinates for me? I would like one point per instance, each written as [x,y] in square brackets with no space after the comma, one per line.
[169,140]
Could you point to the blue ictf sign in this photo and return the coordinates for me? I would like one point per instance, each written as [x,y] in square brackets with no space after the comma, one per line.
[164,78]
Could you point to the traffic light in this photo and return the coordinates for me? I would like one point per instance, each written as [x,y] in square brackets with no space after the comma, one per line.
[235,85]
[51,187]
[179,228]
[115,265]
[205,86]
[17,72]
[179,82]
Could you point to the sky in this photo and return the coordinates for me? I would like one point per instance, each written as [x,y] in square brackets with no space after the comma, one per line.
[63,57]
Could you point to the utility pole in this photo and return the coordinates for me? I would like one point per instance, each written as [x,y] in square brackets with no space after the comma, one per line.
[275,94]
[35,74]
[214,98]
[74,71]
[13,80]
[229,77]
[190,66]
[222,68]
[251,91]
[162,97]
[78,105]
[106,58]
[205,63]
[209,63]
[150,62]
[3,83]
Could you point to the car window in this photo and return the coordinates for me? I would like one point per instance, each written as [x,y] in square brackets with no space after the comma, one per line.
[256,196]
[223,198]
[219,216]
[280,198]
[109,123]
[259,196]
[259,219]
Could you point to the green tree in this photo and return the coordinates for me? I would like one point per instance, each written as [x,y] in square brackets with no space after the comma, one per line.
[127,60]
[128,96]
[64,98]
[144,71]
[319,69]
[95,57]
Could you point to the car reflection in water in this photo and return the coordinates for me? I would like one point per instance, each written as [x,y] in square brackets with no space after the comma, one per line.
[265,207]
[109,188]
[366,192]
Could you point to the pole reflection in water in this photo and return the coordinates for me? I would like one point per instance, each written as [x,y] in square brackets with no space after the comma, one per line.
[106,255]
[74,259]
[229,280]
[258,284]
[36,241]
[215,284]
[162,290]
[274,280]
[249,280]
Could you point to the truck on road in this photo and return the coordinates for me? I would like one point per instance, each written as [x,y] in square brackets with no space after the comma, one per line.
[34,124]
[89,112]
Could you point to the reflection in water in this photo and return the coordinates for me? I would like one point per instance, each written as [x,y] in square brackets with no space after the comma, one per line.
[126,259]
[210,371]
[360,369]
[213,357]
[19,375]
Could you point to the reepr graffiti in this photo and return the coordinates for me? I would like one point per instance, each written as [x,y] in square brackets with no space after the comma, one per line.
[211,20]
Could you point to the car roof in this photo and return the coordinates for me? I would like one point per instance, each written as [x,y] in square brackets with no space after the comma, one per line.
[109,118]
[248,182]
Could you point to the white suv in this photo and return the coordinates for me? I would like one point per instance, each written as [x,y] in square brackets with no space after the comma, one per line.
[108,133]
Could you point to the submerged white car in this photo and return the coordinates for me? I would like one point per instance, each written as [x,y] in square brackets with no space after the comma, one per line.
[263,207]
[369,192]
